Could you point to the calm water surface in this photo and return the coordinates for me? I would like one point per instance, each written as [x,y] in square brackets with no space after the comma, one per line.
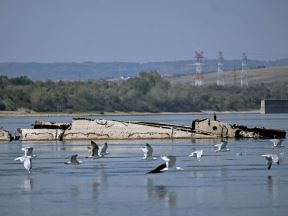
[219,184]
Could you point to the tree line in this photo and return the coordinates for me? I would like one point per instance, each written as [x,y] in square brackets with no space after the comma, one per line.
[148,92]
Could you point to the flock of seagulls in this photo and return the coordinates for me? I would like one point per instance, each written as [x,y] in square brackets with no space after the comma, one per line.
[273,158]
[97,152]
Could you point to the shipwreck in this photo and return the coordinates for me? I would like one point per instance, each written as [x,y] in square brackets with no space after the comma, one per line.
[100,129]
[5,135]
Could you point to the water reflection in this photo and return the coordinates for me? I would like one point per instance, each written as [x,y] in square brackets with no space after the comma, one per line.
[100,185]
[27,183]
[160,193]
[272,188]
[223,172]
[95,190]
[75,190]
[197,174]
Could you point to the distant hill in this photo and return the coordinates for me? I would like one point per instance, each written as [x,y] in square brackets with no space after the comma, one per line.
[98,71]
[255,76]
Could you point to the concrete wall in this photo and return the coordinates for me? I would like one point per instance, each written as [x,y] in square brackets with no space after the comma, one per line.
[274,106]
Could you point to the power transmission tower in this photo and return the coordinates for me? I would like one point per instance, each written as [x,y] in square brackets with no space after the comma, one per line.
[244,71]
[220,73]
[199,78]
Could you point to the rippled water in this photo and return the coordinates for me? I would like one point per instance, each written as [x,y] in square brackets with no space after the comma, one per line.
[219,184]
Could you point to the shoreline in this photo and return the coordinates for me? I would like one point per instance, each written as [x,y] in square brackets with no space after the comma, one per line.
[39,114]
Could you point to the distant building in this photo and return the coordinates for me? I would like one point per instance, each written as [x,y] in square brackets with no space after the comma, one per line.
[117,79]
[274,106]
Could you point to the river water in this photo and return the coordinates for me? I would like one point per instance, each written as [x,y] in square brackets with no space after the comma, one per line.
[221,183]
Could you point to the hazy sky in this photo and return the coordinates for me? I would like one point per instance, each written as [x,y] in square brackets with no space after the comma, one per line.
[141,30]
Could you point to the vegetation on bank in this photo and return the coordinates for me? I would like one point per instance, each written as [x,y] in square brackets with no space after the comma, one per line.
[148,92]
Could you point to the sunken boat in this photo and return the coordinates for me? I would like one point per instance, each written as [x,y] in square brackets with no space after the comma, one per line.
[5,135]
[101,129]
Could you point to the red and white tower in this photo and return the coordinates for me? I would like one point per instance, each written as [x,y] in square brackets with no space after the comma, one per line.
[199,78]
[220,73]
[244,77]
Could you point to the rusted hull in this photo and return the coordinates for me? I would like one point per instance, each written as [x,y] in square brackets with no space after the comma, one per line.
[226,130]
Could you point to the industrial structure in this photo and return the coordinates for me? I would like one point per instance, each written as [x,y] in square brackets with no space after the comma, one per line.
[199,78]
[243,76]
[274,106]
[220,73]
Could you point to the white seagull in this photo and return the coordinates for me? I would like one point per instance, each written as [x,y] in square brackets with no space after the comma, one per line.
[73,160]
[221,147]
[27,162]
[277,142]
[148,152]
[169,165]
[271,158]
[197,153]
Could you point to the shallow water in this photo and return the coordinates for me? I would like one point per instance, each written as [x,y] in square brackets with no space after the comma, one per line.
[219,184]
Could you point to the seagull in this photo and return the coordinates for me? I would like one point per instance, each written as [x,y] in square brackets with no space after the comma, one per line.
[169,165]
[103,151]
[94,150]
[276,142]
[73,160]
[197,153]
[221,147]
[271,158]
[27,162]
[28,151]
[148,151]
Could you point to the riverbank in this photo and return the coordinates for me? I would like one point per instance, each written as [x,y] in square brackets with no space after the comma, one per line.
[76,114]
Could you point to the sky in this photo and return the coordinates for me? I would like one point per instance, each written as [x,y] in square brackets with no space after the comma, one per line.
[141,30]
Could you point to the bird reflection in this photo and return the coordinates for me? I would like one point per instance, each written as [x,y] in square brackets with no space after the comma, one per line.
[269,184]
[27,184]
[75,190]
[223,172]
[100,184]
[95,190]
[196,174]
[160,193]
[272,188]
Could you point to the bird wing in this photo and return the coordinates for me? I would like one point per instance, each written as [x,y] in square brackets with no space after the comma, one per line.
[94,149]
[268,158]
[21,159]
[158,169]
[73,158]
[223,145]
[218,146]
[170,161]
[104,149]
[25,149]
[149,150]
[29,151]
[193,154]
